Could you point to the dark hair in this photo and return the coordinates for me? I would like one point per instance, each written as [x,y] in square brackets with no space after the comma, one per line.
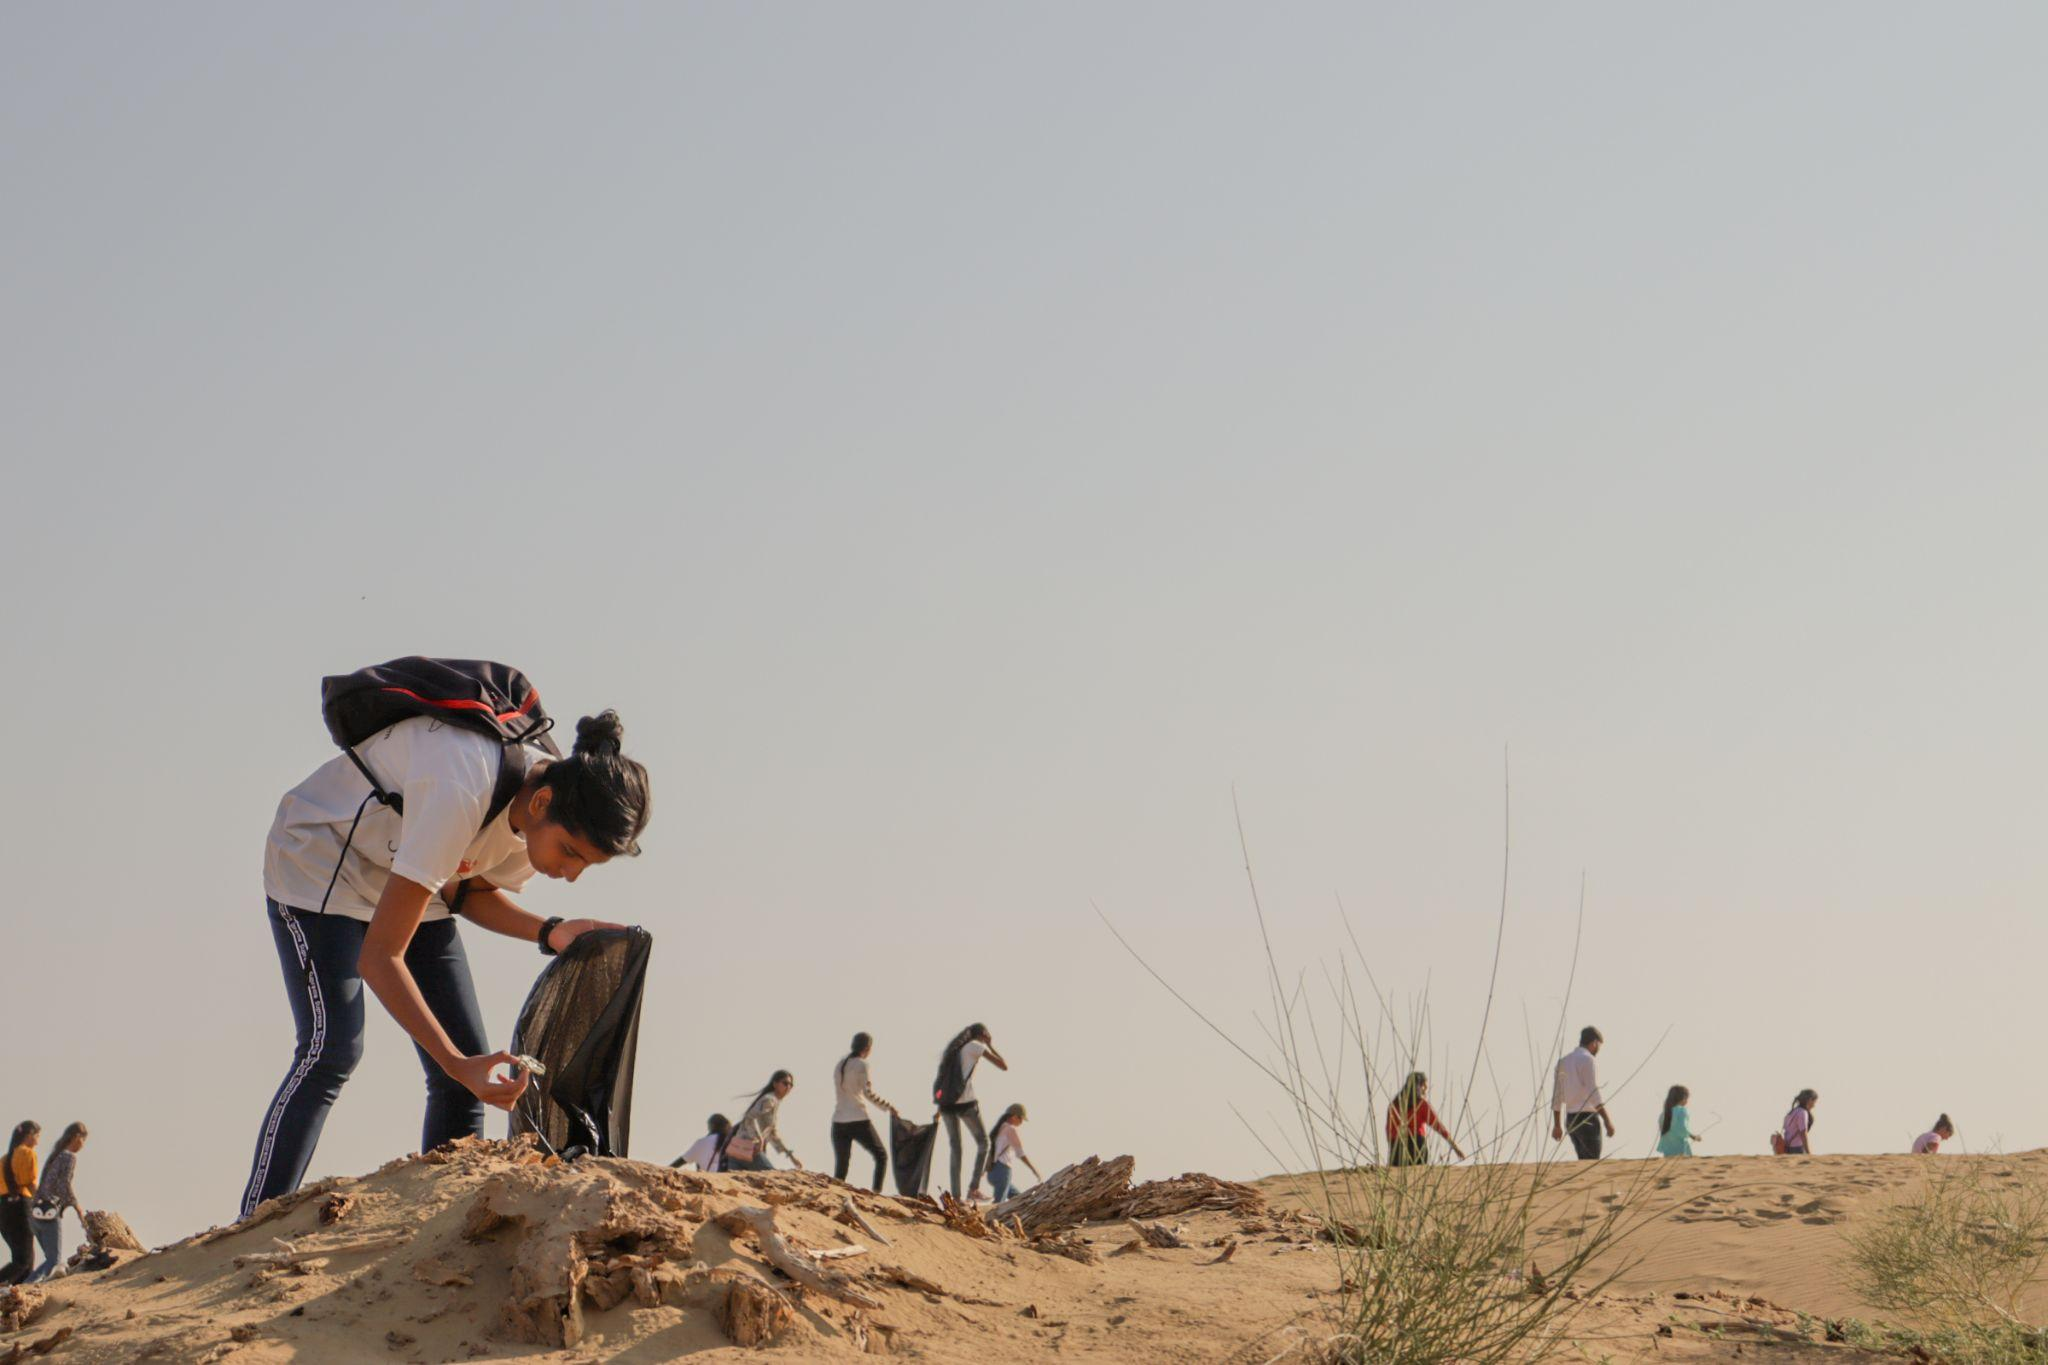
[1411,1091]
[1673,1097]
[719,1124]
[1946,1122]
[71,1130]
[1799,1102]
[965,1036]
[861,1043]
[778,1078]
[1589,1034]
[597,792]
[1015,1111]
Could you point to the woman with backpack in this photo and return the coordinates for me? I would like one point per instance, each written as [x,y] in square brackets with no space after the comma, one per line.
[743,1147]
[1796,1136]
[850,1121]
[954,1090]
[435,814]
[19,1176]
[54,1195]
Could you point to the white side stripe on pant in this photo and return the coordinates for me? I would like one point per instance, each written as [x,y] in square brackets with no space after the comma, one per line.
[254,1193]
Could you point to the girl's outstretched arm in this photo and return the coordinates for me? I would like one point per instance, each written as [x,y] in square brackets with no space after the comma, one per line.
[382,964]
[487,907]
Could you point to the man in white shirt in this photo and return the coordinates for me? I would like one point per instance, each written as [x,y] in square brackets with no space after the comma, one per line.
[1575,1103]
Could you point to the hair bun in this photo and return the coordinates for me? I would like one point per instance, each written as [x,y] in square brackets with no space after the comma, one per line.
[599,736]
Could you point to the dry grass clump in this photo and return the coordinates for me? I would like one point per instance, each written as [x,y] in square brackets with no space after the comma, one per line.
[1434,1265]
[1953,1261]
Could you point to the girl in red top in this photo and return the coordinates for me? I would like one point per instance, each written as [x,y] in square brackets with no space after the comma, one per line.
[1409,1119]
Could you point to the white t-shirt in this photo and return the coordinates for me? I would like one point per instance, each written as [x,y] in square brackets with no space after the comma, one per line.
[970,1052]
[702,1152]
[852,1105]
[1009,1146]
[446,776]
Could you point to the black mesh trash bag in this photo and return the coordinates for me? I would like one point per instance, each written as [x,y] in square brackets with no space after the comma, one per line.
[910,1153]
[581,1021]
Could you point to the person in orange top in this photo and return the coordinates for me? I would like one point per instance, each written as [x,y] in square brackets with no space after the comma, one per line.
[1409,1119]
[18,1176]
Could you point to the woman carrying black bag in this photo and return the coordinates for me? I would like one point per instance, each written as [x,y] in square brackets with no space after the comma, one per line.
[440,811]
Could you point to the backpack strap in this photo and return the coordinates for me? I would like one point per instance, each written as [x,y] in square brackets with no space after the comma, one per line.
[391,799]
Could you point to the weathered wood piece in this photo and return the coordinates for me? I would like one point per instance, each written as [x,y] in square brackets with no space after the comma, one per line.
[800,1267]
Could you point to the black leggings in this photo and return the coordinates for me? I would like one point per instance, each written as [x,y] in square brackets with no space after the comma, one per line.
[21,1247]
[844,1135]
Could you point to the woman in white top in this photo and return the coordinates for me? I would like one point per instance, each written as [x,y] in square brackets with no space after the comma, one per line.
[703,1153]
[850,1121]
[362,894]
[743,1149]
[954,1090]
[1009,1151]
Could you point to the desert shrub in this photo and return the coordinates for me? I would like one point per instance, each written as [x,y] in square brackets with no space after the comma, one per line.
[1475,1264]
[1953,1260]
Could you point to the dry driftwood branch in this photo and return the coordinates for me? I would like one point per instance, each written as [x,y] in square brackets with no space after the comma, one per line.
[799,1267]
[1157,1236]
[1081,1193]
[1067,1244]
[109,1231]
[964,1218]
[1229,1250]
[40,1347]
[1191,1193]
[849,1213]
[909,1279]
[291,1253]
[837,1253]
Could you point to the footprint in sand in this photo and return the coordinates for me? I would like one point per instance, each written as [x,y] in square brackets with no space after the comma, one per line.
[1775,1215]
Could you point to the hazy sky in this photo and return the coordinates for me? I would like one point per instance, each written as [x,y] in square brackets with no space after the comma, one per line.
[965,441]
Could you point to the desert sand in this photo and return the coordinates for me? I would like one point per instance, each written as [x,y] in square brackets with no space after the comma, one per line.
[488,1251]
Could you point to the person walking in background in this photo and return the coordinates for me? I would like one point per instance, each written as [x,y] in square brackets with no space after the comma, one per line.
[54,1194]
[18,1174]
[1409,1119]
[1575,1104]
[1929,1142]
[703,1153]
[954,1091]
[1009,1150]
[1797,1133]
[744,1147]
[850,1121]
[1675,1136]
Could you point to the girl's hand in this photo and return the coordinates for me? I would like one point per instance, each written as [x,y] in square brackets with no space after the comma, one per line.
[797,1162]
[476,1078]
[569,930]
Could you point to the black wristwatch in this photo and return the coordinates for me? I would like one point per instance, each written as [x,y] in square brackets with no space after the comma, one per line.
[547,927]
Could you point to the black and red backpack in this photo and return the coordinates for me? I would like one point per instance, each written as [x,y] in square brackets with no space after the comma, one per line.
[470,694]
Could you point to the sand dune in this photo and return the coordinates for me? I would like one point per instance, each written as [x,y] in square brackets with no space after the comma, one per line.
[487,1252]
